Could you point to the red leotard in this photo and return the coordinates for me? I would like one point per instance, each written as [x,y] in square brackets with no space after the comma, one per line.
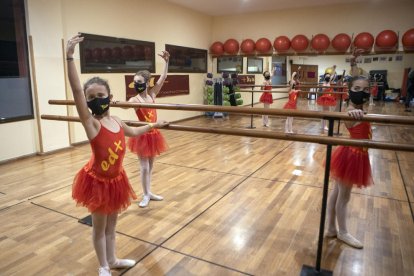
[350,165]
[293,99]
[266,97]
[102,184]
[149,144]
[327,99]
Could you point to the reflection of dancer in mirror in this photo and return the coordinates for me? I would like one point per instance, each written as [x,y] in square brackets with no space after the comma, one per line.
[327,99]
[266,98]
[151,144]
[102,184]
[350,165]
[293,99]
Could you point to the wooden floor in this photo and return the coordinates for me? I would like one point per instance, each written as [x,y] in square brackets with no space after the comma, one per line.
[233,206]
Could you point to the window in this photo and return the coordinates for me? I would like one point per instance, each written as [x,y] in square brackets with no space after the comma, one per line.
[230,64]
[15,91]
[186,60]
[254,65]
[104,54]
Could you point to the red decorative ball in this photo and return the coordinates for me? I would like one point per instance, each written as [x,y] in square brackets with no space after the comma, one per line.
[300,43]
[408,40]
[138,52]
[364,41]
[116,52]
[217,48]
[263,45]
[281,43]
[97,54]
[386,40]
[106,53]
[248,46]
[231,46]
[341,42]
[320,42]
[127,52]
[87,54]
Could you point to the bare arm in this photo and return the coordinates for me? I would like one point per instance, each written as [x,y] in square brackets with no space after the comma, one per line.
[354,68]
[90,124]
[157,87]
[135,131]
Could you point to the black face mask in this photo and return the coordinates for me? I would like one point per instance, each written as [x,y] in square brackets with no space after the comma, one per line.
[327,79]
[99,105]
[359,97]
[267,77]
[139,87]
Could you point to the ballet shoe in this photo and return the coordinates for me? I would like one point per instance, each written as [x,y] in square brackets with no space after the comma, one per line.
[145,201]
[122,263]
[156,197]
[349,240]
[104,271]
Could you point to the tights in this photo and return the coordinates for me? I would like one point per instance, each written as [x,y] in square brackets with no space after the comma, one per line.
[103,237]
[288,125]
[265,118]
[337,208]
[146,172]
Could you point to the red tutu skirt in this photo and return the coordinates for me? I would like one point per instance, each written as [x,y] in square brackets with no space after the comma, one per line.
[266,97]
[292,102]
[100,194]
[351,166]
[150,144]
[326,100]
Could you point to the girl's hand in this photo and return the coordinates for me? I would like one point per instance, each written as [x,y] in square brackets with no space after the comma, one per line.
[355,54]
[165,55]
[70,47]
[356,113]
[161,123]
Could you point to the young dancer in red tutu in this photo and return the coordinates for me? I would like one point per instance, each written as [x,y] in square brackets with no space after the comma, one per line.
[350,165]
[292,102]
[102,184]
[151,144]
[266,98]
[327,99]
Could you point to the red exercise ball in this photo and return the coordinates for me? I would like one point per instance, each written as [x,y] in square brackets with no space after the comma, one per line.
[127,52]
[217,48]
[386,40]
[231,46]
[138,52]
[300,43]
[116,52]
[364,41]
[263,45]
[341,42]
[248,46]
[107,53]
[97,54]
[408,40]
[281,43]
[320,42]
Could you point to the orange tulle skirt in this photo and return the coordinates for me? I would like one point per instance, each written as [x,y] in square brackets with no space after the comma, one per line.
[290,105]
[266,97]
[150,144]
[351,166]
[326,100]
[100,194]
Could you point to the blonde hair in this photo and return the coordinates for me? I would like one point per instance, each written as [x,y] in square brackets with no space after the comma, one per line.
[145,74]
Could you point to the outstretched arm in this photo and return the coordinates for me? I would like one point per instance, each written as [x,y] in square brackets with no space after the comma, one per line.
[135,131]
[157,87]
[354,68]
[89,123]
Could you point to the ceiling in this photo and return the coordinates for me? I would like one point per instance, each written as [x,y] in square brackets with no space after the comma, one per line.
[228,7]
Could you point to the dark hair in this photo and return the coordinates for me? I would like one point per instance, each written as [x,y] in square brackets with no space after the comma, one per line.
[264,73]
[355,78]
[98,81]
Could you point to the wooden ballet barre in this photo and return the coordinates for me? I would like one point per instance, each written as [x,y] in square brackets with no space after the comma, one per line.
[255,85]
[261,91]
[265,134]
[320,86]
[376,118]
